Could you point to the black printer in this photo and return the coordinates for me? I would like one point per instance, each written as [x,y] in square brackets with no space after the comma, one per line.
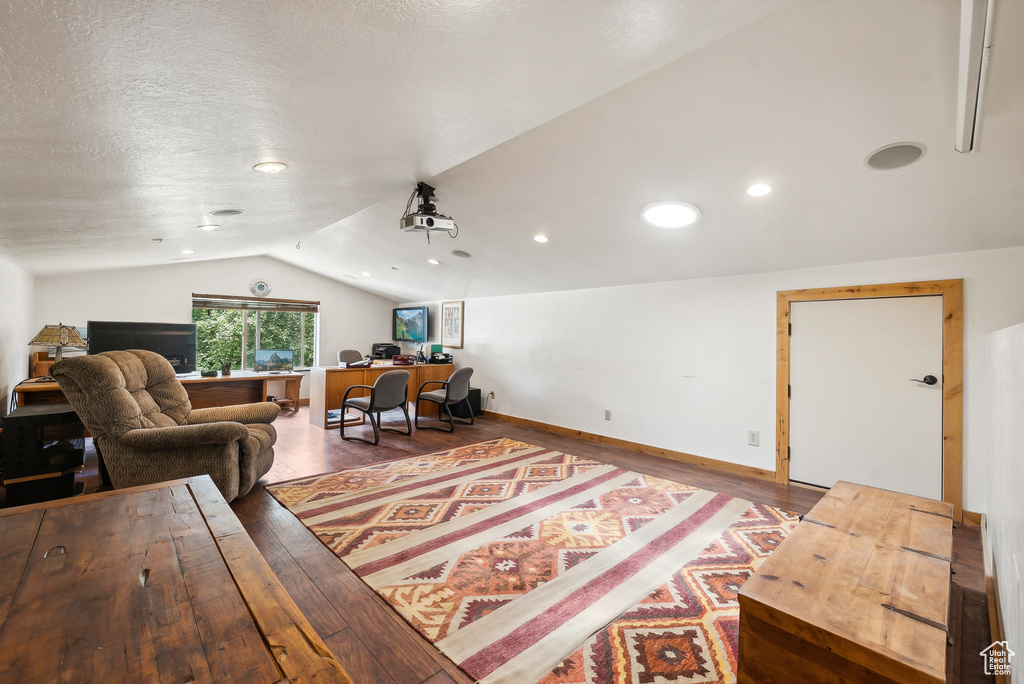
[384,350]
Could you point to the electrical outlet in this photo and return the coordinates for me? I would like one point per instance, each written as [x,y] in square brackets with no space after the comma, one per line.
[607,414]
[491,394]
[753,438]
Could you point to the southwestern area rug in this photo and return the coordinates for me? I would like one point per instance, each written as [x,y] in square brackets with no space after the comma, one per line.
[523,564]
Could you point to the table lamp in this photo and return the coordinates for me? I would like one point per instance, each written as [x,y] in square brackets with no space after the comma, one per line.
[58,336]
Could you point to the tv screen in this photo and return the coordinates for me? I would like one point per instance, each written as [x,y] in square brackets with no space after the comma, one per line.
[176,342]
[273,360]
[409,324]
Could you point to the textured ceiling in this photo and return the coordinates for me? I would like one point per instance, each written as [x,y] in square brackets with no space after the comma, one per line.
[125,121]
[122,122]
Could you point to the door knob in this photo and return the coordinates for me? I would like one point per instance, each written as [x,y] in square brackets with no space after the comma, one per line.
[928,380]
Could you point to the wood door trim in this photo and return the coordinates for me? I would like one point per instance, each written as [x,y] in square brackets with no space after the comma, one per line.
[952,292]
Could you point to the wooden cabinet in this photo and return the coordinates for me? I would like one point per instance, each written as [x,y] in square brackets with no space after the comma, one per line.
[39,364]
[860,592]
[241,387]
[328,385]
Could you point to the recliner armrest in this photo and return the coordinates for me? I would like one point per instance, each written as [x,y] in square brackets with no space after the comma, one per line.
[184,435]
[260,412]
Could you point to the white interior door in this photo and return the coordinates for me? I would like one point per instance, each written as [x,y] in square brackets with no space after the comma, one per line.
[855,413]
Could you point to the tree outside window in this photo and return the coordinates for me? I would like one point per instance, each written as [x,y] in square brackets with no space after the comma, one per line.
[223,333]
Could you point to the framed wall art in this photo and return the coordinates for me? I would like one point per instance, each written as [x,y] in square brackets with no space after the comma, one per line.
[451,324]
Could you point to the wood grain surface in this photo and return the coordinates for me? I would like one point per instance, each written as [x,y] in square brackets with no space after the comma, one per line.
[153,583]
[861,588]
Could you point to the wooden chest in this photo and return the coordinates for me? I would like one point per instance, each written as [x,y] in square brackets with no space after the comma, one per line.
[860,592]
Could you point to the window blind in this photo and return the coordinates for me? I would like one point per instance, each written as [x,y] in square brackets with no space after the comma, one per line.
[209,301]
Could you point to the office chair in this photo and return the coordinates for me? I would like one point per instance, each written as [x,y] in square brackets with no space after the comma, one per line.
[454,391]
[349,356]
[388,392]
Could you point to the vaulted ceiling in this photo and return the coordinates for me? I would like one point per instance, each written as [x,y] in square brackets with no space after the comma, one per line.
[124,124]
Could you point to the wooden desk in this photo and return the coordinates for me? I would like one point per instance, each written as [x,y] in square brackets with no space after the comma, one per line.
[859,592]
[151,583]
[327,385]
[241,387]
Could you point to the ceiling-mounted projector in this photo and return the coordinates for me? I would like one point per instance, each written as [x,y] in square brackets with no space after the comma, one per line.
[425,219]
[425,223]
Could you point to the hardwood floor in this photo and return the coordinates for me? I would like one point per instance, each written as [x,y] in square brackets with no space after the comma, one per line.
[375,645]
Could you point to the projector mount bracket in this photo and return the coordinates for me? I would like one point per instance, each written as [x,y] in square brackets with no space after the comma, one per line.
[426,219]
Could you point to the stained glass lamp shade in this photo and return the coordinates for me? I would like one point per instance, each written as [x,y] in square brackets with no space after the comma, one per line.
[58,336]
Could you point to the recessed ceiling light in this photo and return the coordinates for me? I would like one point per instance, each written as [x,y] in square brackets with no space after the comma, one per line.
[271,167]
[759,189]
[670,214]
[433,261]
[461,254]
[367,274]
[226,212]
[895,156]
[188,251]
[209,226]
[540,238]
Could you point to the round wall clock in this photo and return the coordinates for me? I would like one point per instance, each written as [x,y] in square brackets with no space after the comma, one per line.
[259,287]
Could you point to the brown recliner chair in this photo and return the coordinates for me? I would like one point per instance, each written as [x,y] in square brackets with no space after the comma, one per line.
[144,426]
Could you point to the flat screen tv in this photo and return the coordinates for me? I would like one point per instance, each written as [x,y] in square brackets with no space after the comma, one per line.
[176,342]
[273,360]
[409,324]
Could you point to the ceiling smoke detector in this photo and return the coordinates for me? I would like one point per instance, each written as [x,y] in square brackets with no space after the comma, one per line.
[426,219]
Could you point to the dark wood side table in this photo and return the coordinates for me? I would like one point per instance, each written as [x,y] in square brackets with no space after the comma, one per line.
[44,446]
[151,583]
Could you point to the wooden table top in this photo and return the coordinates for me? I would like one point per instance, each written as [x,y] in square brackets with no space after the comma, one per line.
[237,376]
[36,386]
[867,573]
[151,583]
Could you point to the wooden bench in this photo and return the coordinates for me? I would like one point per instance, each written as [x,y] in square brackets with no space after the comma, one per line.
[859,592]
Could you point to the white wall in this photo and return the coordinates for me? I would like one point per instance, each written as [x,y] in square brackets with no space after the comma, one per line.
[349,318]
[1005,478]
[689,365]
[15,329]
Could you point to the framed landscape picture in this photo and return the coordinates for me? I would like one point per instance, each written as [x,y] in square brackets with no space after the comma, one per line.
[451,324]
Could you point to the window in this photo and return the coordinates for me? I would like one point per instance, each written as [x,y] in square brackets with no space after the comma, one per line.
[233,328]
